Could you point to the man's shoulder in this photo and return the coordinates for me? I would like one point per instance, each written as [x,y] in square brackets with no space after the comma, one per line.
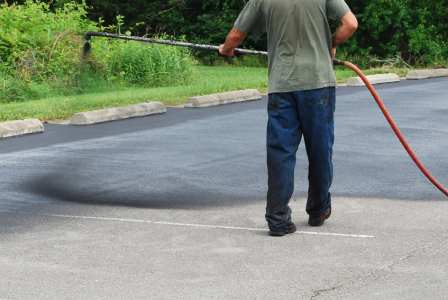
[257,2]
[258,5]
[266,3]
[288,4]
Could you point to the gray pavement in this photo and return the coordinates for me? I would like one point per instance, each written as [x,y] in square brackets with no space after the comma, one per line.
[171,207]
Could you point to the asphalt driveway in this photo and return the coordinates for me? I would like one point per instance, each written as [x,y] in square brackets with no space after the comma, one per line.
[171,207]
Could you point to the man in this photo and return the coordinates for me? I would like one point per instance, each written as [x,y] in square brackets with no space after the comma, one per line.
[301,96]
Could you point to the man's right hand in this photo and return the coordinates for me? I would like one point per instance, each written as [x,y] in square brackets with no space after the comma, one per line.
[233,40]
[226,52]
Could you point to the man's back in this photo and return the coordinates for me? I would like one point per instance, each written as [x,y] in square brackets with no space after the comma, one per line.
[299,40]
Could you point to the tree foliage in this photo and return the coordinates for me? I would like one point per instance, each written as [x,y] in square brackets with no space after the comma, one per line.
[415,30]
[205,21]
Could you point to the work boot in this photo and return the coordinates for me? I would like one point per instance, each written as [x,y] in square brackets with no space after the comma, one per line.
[319,220]
[290,228]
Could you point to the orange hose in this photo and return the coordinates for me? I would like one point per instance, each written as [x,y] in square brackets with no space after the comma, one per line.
[395,127]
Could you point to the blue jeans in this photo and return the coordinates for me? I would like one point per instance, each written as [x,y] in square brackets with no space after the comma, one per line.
[292,115]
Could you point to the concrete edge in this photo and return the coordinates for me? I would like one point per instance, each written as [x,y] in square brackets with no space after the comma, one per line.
[20,127]
[426,74]
[374,79]
[117,113]
[223,98]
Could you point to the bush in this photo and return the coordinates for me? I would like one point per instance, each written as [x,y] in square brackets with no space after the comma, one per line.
[148,65]
[38,44]
[416,31]
[40,51]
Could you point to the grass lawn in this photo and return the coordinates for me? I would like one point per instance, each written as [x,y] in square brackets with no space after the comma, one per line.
[206,80]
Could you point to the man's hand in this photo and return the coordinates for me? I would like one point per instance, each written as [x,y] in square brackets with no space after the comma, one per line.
[233,40]
[226,51]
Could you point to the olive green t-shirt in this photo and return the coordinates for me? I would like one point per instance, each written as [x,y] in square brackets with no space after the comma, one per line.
[299,40]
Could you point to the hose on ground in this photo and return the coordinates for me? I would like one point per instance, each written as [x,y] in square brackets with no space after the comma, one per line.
[394,126]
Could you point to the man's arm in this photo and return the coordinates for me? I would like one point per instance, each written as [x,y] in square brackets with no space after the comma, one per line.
[233,40]
[349,24]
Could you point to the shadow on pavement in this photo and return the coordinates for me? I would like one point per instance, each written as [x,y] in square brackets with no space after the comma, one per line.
[54,187]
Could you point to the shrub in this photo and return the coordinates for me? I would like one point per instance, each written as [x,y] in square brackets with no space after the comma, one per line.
[39,44]
[415,30]
[39,47]
[40,51]
[144,64]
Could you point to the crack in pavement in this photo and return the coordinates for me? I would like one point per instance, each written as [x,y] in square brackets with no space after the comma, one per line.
[375,275]
[317,293]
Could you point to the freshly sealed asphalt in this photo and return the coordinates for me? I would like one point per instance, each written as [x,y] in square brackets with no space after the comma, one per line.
[171,206]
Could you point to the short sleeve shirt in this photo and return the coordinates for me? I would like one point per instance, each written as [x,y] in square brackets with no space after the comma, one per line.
[299,40]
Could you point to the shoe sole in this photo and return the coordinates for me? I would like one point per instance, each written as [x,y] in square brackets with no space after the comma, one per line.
[282,233]
[322,222]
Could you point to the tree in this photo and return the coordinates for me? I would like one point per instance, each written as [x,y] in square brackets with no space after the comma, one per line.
[414,29]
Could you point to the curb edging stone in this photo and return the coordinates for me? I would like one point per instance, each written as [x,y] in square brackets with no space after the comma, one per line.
[426,73]
[223,98]
[20,127]
[117,113]
[374,79]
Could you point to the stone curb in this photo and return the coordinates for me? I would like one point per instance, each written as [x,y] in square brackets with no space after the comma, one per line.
[20,127]
[426,73]
[374,79]
[117,113]
[224,98]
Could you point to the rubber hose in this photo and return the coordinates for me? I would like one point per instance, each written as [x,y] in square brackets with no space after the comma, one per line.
[394,126]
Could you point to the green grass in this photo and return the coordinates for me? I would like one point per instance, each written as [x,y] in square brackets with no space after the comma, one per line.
[206,80]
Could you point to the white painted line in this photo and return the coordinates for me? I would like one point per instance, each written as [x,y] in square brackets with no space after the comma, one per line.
[200,225]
